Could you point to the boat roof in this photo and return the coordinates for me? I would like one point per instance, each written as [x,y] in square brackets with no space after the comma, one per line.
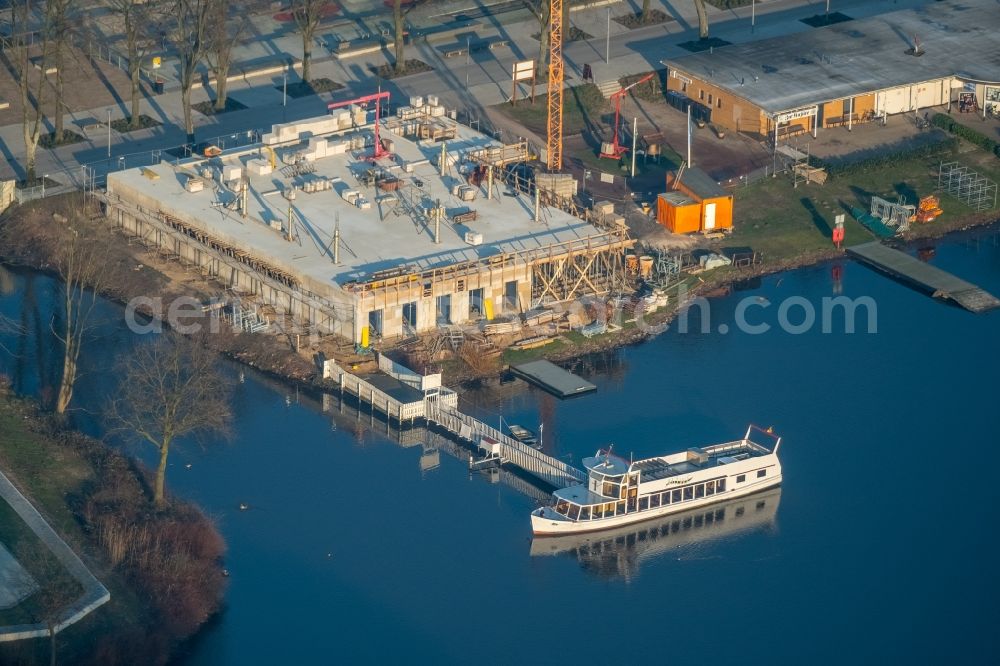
[608,463]
[579,494]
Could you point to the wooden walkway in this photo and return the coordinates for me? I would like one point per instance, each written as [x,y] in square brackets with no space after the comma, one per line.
[937,282]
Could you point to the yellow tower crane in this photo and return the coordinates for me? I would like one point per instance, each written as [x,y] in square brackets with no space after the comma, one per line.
[555,86]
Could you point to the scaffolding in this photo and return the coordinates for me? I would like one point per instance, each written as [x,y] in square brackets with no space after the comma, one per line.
[896,215]
[975,191]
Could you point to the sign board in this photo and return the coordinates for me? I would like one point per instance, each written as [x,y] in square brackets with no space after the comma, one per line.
[607,177]
[839,220]
[157,61]
[795,115]
[523,71]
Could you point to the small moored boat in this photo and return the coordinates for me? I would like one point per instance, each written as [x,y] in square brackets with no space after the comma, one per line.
[522,435]
[619,492]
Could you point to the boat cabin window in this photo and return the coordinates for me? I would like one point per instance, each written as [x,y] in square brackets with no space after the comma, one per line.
[720,485]
[676,496]
[562,507]
[585,513]
[699,490]
[574,512]
[741,478]
[761,473]
[633,480]
[689,492]
[654,501]
[643,503]
[710,488]
[620,509]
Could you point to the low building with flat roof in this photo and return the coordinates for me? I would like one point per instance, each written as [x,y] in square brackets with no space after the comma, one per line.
[939,54]
[444,229]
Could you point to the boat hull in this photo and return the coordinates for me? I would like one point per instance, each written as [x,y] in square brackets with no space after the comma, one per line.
[544,522]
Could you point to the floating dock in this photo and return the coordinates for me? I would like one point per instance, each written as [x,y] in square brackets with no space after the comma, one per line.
[552,378]
[939,283]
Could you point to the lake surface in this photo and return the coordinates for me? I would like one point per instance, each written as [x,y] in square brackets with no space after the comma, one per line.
[879,548]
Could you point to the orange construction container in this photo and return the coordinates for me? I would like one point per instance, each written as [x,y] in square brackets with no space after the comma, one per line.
[695,204]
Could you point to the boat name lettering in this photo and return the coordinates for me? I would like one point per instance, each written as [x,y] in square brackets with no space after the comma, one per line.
[675,482]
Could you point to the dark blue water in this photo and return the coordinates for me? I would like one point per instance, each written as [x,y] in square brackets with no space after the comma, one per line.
[882,548]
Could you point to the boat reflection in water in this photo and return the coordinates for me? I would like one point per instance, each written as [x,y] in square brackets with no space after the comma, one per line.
[617,553]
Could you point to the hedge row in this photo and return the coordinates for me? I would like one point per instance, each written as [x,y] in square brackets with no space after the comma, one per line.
[729,4]
[947,123]
[936,149]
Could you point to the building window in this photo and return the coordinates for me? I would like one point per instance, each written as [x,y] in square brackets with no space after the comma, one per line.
[761,473]
[718,103]
[701,94]
[684,87]
[710,99]
[741,478]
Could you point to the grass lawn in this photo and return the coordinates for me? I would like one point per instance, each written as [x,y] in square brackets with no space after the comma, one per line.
[784,222]
[583,106]
[35,557]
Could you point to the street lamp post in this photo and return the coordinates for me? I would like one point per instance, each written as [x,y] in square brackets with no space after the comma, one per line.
[607,42]
[753,14]
[109,134]
[284,88]
[43,184]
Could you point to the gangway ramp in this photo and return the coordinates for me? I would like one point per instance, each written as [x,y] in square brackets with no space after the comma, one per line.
[939,283]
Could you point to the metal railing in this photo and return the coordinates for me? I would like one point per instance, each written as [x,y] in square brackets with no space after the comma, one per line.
[545,467]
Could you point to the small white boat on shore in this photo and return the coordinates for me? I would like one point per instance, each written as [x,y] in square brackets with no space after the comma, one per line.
[619,492]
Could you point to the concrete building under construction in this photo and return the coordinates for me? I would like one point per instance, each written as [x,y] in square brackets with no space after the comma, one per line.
[362,226]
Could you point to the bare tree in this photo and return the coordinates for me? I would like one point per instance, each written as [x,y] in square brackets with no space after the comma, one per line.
[170,388]
[32,90]
[307,15]
[399,41]
[190,40]
[541,11]
[80,260]
[58,22]
[224,34]
[699,6]
[137,17]
[644,14]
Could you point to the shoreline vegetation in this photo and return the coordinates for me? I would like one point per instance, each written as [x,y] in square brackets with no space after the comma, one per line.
[99,499]
[162,567]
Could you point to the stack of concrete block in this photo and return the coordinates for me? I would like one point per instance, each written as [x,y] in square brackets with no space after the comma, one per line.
[436,111]
[316,150]
[194,185]
[466,193]
[259,167]
[357,142]
[336,148]
[344,120]
[350,196]
[231,172]
[560,184]
[359,116]
[408,112]
[604,208]
[416,101]
[432,100]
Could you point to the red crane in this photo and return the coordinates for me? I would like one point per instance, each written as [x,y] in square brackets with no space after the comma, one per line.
[617,150]
[380,152]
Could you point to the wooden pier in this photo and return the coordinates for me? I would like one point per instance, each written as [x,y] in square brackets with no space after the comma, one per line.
[439,406]
[939,283]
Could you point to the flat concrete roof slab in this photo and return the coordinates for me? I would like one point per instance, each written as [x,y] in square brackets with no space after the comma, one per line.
[372,240]
[959,39]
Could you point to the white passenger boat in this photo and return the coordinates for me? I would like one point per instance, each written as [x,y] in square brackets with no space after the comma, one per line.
[619,492]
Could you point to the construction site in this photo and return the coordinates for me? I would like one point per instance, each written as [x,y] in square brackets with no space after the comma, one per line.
[361,226]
